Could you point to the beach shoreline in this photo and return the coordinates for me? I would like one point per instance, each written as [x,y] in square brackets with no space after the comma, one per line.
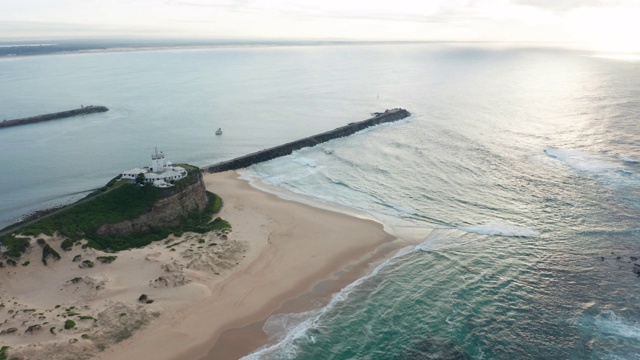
[293,249]
[211,293]
[288,261]
[235,343]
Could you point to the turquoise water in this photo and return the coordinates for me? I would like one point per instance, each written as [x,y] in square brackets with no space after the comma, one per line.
[513,179]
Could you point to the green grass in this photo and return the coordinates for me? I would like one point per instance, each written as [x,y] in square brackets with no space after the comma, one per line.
[66,244]
[3,352]
[124,202]
[113,183]
[16,246]
[196,221]
[106,259]
[48,251]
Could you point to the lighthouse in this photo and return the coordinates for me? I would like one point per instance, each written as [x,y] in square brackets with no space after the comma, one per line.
[157,162]
[160,174]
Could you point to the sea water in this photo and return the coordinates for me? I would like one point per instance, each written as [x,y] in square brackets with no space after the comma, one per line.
[515,181]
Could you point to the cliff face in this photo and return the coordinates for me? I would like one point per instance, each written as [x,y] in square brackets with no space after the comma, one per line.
[166,211]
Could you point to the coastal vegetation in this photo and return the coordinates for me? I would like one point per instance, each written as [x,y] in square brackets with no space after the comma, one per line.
[106,259]
[47,252]
[69,324]
[16,246]
[116,202]
[3,352]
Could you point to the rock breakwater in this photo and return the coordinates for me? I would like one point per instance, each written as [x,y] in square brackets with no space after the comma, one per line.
[288,148]
[54,116]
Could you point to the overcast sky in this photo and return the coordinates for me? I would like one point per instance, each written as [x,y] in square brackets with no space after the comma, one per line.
[605,24]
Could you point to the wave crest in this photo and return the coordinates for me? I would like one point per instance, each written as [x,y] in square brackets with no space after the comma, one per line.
[501,229]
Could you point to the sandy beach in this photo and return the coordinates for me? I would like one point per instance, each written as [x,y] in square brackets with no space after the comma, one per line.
[210,293]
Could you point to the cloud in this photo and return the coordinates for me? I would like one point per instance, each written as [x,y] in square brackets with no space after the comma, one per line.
[568,5]
[380,11]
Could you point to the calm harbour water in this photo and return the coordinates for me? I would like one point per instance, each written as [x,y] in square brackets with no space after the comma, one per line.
[515,175]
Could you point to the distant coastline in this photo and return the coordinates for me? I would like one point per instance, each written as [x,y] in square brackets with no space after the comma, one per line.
[53,116]
[15,49]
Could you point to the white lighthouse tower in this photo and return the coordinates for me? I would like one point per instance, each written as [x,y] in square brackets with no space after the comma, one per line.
[157,162]
[159,174]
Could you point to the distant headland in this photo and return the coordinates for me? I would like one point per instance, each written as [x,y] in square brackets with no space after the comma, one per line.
[83,110]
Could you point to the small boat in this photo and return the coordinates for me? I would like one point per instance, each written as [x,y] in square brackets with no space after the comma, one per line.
[219,131]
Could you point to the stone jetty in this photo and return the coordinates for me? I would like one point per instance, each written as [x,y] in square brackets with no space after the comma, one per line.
[288,148]
[54,116]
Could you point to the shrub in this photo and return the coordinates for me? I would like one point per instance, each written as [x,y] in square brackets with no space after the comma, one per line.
[41,242]
[16,246]
[3,352]
[125,202]
[48,251]
[106,259]
[69,324]
[67,244]
[11,262]
[26,263]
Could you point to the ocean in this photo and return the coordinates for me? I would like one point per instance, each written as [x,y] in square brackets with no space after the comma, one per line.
[516,180]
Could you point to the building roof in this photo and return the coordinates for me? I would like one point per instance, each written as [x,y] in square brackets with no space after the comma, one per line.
[136,171]
[162,175]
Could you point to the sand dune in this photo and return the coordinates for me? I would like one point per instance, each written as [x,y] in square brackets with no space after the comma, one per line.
[206,295]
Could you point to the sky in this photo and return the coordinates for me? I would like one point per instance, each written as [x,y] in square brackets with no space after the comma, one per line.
[608,25]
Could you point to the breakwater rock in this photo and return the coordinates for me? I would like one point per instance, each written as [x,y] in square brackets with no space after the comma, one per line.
[288,148]
[54,116]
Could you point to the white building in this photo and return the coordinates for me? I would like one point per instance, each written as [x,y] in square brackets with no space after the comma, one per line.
[159,174]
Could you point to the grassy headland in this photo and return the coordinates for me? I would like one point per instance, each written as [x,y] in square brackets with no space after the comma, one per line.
[118,201]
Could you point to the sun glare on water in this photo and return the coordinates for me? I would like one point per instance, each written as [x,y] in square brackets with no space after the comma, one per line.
[612,32]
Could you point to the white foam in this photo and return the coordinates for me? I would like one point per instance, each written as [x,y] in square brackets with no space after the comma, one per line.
[303,161]
[499,228]
[609,322]
[288,328]
[433,243]
[630,160]
[403,209]
[279,325]
[581,160]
